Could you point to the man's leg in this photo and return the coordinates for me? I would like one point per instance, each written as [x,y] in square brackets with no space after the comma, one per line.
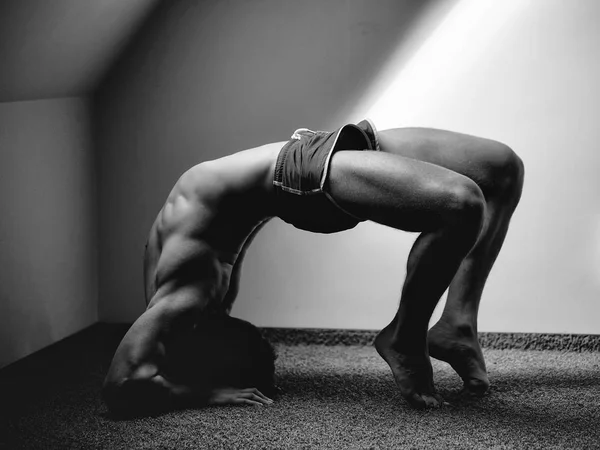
[499,172]
[448,209]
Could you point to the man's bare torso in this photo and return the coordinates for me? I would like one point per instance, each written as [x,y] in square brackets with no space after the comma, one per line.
[207,217]
[191,254]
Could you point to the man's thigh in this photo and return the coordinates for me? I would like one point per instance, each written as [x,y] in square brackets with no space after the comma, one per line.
[396,191]
[477,158]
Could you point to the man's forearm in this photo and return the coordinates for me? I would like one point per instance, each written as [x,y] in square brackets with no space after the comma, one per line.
[182,395]
[145,396]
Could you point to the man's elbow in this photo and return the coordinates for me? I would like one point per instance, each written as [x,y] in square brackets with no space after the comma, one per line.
[135,398]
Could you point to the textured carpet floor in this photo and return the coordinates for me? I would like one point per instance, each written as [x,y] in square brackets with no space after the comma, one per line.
[331,397]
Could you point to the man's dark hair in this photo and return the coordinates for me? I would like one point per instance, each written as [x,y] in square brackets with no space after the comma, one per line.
[223,351]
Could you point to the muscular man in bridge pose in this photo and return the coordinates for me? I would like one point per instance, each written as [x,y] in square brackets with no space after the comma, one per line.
[458,191]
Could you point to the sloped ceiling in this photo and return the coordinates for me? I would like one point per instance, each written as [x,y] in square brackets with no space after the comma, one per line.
[61,48]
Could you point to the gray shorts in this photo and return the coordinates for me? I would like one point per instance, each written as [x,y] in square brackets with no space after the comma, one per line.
[301,174]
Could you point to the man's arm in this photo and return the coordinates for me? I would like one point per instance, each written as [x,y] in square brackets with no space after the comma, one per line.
[147,396]
[135,385]
[236,272]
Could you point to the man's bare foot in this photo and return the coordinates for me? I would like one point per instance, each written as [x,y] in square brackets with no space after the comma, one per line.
[412,372]
[459,347]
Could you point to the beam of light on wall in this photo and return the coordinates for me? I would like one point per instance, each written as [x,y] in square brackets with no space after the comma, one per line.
[413,84]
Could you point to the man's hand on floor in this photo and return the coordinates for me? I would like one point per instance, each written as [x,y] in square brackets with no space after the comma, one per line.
[237,396]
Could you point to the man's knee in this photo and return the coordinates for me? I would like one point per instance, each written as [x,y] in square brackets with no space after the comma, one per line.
[516,176]
[468,211]
[508,172]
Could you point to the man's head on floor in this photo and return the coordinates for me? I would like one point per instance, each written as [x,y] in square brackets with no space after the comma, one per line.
[218,352]
[222,351]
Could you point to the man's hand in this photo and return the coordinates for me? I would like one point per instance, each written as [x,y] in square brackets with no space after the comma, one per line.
[237,396]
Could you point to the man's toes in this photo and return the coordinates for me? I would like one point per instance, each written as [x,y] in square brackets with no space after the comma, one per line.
[425,401]
[440,399]
[431,402]
[476,387]
[417,401]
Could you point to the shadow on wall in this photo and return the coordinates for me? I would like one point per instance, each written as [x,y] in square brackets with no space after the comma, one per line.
[205,79]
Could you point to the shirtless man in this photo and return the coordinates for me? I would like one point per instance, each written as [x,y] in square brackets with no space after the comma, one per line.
[458,191]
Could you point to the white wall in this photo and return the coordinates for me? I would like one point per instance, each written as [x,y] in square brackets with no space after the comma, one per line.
[48,286]
[210,79]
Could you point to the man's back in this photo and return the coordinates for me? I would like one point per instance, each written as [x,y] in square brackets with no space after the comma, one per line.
[205,221]
[191,257]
